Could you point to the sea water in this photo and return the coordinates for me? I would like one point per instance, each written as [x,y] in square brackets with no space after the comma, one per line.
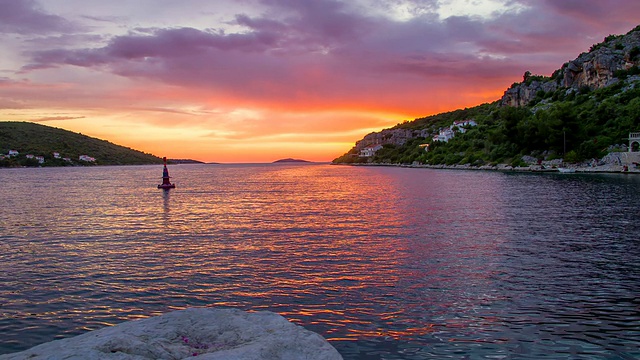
[385,263]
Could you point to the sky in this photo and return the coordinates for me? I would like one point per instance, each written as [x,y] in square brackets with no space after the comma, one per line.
[237,81]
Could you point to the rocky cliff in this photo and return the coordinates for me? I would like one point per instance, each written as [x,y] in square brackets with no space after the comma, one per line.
[522,94]
[596,69]
[389,136]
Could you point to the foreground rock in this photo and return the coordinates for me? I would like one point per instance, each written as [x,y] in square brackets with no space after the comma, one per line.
[200,333]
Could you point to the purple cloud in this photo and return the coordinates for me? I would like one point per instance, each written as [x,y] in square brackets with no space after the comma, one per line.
[308,51]
[56,118]
[26,17]
[329,19]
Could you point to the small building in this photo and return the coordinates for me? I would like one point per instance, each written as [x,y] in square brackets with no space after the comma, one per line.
[468,122]
[40,159]
[447,134]
[444,135]
[56,155]
[13,153]
[463,124]
[370,150]
[29,156]
[634,142]
[87,158]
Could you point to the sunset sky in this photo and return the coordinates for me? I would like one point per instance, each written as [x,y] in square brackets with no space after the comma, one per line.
[259,80]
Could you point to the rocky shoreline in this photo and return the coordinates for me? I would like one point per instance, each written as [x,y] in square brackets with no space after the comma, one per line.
[600,169]
[615,162]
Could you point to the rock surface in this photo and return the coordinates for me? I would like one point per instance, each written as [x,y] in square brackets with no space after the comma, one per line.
[522,94]
[595,69]
[389,136]
[198,333]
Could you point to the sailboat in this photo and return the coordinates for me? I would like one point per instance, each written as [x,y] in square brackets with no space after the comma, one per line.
[166,184]
[566,170]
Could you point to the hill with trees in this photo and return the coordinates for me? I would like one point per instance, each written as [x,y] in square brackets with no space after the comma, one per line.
[40,140]
[583,111]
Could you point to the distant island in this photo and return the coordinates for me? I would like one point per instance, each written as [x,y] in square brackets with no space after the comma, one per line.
[184,161]
[36,145]
[290,160]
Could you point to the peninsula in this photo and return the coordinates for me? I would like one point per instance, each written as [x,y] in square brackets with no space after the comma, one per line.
[31,144]
[585,115]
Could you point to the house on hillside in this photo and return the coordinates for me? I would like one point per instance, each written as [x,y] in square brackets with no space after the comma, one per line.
[13,153]
[370,150]
[86,158]
[444,135]
[463,124]
[56,155]
[40,159]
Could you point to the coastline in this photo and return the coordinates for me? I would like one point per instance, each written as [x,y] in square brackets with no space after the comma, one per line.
[574,169]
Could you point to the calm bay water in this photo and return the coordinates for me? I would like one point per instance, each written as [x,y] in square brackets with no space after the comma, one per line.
[386,263]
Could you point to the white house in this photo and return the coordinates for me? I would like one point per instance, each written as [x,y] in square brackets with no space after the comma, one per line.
[40,159]
[13,153]
[447,134]
[56,155]
[370,150]
[87,158]
[444,135]
[462,124]
[29,156]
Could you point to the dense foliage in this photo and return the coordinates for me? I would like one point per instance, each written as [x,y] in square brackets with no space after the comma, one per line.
[40,140]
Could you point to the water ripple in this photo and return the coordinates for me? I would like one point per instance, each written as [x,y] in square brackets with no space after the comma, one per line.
[386,263]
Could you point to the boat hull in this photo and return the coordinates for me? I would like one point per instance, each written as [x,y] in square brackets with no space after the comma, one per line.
[566,170]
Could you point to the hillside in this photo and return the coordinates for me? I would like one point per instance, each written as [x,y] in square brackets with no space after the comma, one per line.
[583,111]
[40,140]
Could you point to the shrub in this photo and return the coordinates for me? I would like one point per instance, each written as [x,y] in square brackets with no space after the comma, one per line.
[571,157]
[451,159]
[517,162]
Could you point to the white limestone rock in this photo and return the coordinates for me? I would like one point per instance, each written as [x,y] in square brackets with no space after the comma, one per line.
[196,333]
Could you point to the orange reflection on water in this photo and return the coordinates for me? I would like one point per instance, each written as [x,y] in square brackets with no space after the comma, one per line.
[382,332]
[313,243]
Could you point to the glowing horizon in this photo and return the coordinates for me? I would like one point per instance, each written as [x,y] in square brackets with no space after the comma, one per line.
[262,80]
